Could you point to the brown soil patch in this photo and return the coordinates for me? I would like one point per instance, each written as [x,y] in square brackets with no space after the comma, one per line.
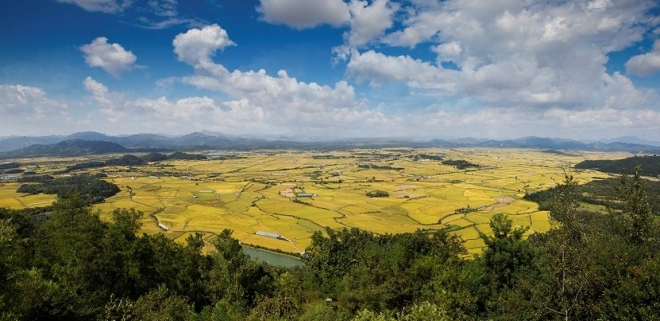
[402,194]
[506,200]
[288,193]
[502,201]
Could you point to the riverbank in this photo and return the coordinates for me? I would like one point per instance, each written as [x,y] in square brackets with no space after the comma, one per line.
[272,257]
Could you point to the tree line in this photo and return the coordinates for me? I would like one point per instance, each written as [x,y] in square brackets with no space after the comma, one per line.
[132,160]
[459,163]
[650,164]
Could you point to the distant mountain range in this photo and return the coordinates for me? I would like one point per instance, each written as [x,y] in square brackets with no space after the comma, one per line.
[73,147]
[89,143]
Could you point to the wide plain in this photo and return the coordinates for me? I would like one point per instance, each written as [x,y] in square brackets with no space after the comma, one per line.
[256,191]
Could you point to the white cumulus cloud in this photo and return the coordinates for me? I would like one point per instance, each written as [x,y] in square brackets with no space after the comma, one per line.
[279,101]
[302,14]
[645,64]
[112,57]
[380,68]
[27,110]
[369,21]
[511,53]
[197,45]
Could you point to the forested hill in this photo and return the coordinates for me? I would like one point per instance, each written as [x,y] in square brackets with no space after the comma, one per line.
[68,148]
[650,165]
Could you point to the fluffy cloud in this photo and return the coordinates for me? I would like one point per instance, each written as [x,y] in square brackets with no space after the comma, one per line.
[516,53]
[301,14]
[113,58]
[646,64]
[251,115]
[246,115]
[105,6]
[28,110]
[281,100]
[380,68]
[369,21]
[199,45]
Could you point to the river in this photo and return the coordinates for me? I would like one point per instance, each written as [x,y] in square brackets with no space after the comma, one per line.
[272,257]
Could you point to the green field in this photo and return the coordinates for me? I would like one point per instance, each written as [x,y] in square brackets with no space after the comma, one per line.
[256,191]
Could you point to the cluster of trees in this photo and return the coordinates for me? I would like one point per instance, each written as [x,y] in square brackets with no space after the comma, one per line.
[325,156]
[35,178]
[427,156]
[186,156]
[154,157]
[83,165]
[650,164]
[384,167]
[90,188]
[126,160]
[555,152]
[132,160]
[590,266]
[9,165]
[12,171]
[459,163]
[157,157]
[377,193]
[599,192]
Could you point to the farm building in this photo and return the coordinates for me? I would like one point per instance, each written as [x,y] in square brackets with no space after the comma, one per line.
[161,225]
[271,235]
[305,195]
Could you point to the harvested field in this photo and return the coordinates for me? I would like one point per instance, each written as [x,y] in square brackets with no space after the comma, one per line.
[258,192]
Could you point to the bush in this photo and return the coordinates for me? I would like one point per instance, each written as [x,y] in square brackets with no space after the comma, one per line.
[378,193]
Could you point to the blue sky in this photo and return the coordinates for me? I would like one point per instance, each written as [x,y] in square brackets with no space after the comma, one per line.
[332,68]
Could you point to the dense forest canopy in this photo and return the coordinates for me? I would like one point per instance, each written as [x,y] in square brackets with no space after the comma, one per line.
[83,165]
[70,265]
[154,157]
[599,192]
[90,188]
[459,163]
[35,178]
[126,160]
[649,164]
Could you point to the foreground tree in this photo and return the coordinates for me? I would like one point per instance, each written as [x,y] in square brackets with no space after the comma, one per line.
[633,194]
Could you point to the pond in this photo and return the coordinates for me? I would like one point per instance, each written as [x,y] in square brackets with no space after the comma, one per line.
[272,257]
